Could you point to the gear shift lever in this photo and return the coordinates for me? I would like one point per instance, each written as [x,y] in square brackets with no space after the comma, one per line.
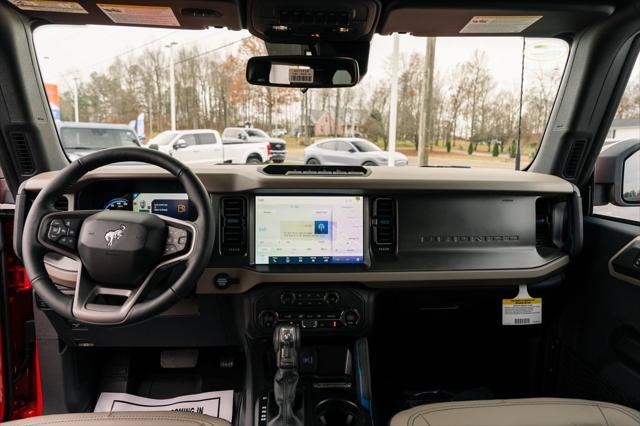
[286,343]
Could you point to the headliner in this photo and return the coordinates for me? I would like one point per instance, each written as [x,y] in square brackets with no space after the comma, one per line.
[422,18]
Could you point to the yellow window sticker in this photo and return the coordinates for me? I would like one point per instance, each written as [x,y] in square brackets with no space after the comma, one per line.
[140,15]
[499,24]
[522,310]
[49,6]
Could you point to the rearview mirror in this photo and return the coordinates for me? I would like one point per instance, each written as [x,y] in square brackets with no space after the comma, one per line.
[302,71]
[617,175]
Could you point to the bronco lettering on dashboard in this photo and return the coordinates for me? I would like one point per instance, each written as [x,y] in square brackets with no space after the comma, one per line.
[468,238]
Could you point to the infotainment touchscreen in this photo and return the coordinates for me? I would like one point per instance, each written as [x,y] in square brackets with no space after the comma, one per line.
[309,230]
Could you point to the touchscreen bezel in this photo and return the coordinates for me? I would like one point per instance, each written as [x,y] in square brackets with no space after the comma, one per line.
[306,267]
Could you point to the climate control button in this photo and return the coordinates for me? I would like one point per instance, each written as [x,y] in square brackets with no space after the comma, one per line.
[332,298]
[287,298]
[350,317]
[268,318]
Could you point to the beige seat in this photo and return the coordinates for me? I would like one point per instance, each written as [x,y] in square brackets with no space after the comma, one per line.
[129,418]
[519,412]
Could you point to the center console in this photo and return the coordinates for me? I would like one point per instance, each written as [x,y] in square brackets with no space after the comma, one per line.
[318,310]
[316,384]
[332,368]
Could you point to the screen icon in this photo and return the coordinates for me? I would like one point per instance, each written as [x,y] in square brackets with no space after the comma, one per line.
[321,227]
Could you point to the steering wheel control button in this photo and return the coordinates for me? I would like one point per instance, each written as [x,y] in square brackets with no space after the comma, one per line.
[68,242]
[64,232]
[176,241]
[56,230]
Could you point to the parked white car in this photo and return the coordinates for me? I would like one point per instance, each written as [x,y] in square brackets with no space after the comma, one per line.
[205,147]
[350,152]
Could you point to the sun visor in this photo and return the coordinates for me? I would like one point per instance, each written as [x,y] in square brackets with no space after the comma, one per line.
[533,20]
[148,13]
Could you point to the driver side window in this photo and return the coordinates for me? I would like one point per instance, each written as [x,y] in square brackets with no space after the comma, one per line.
[343,146]
[190,140]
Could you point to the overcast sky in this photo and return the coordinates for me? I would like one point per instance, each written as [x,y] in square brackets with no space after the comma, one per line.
[65,50]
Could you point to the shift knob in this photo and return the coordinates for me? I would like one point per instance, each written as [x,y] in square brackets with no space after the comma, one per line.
[286,343]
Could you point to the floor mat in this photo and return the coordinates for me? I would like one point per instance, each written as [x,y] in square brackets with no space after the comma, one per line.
[215,404]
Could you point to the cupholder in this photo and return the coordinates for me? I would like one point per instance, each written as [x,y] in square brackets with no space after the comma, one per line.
[340,412]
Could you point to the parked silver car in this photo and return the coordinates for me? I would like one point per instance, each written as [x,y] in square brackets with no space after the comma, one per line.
[350,151]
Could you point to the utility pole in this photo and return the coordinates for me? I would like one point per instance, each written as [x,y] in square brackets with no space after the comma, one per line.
[307,117]
[337,117]
[172,84]
[393,107]
[303,131]
[76,108]
[518,149]
[425,128]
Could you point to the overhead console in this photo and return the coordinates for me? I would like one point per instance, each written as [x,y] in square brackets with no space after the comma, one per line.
[302,22]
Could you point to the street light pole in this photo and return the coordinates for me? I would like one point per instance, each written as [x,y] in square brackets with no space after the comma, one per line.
[393,113]
[76,108]
[172,84]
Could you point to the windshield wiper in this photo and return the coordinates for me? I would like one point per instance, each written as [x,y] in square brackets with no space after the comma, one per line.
[84,147]
[449,167]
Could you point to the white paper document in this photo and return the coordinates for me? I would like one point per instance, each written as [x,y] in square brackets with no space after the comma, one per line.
[215,404]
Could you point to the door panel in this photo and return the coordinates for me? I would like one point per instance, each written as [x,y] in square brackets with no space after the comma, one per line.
[600,330]
[189,154]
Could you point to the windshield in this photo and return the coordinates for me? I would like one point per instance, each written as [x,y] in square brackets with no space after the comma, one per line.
[480,102]
[163,138]
[365,146]
[257,133]
[96,138]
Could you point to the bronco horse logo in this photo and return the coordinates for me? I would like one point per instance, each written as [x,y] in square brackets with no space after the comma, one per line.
[112,236]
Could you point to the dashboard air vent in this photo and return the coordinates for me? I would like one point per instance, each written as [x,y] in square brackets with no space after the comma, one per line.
[543,223]
[233,220]
[572,162]
[383,223]
[304,170]
[20,144]
[62,204]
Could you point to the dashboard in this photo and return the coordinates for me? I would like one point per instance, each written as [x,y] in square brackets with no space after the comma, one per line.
[381,228]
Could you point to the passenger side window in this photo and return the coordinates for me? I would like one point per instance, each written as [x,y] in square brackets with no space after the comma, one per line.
[624,137]
[206,139]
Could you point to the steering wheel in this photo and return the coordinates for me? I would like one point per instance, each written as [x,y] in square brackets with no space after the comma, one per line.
[120,252]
